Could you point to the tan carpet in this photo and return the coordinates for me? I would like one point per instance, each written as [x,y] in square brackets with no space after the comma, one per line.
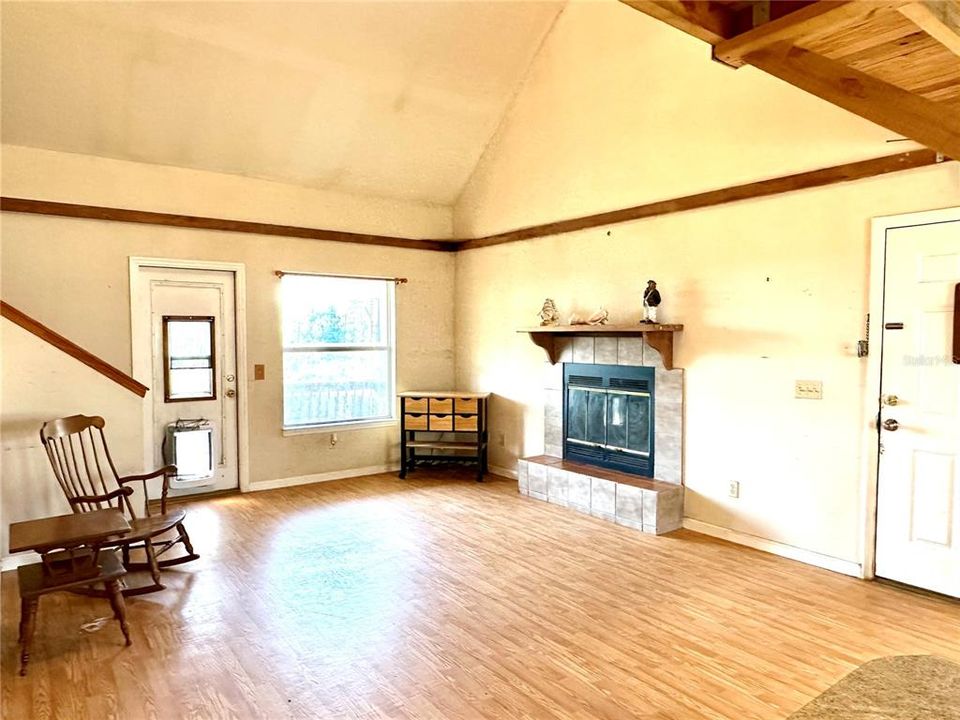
[908,687]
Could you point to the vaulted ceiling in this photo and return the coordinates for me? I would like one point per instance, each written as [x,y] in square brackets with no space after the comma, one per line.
[400,99]
[386,99]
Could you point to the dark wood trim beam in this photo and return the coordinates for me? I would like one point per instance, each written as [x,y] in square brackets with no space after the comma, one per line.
[95,212]
[763,188]
[709,21]
[904,112]
[815,19]
[71,349]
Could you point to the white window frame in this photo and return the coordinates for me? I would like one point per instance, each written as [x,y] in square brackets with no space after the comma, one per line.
[391,348]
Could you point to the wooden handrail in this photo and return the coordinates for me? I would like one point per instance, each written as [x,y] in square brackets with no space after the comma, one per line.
[71,349]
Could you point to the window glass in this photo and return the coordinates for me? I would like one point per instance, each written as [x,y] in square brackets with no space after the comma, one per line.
[337,350]
[188,358]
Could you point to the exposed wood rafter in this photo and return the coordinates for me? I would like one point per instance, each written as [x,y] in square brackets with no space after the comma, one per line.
[795,27]
[861,55]
[904,112]
[940,20]
[708,21]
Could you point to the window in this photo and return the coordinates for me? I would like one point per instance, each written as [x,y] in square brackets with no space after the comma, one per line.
[338,351]
[188,352]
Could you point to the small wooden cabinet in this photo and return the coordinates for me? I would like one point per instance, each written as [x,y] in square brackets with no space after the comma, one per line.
[448,426]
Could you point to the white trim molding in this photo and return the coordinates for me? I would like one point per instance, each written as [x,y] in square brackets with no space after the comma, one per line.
[827,562]
[504,472]
[323,477]
[139,361]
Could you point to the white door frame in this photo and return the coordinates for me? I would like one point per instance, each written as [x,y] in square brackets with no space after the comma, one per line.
[871,400]
[141,349]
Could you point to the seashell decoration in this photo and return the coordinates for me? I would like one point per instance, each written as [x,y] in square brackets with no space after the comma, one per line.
[576,320]
[600,317]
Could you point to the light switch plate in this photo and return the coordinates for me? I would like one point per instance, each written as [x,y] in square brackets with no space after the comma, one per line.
[808,389]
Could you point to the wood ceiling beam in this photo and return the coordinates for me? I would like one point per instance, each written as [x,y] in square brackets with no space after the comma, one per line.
[762,188]
[97,212]
[925,121]
[940,20]
[817,19]
[709,21]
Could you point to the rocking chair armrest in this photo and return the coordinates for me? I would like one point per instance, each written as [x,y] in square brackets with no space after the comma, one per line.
[165,470]
[90,499]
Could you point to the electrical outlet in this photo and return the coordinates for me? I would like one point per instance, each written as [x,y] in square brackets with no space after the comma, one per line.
[808,389]
[734,489]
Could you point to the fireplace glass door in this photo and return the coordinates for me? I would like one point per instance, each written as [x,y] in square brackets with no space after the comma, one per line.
[608,416]
[617,420]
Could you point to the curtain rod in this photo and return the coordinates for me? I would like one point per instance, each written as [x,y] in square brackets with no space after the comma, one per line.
[396,280]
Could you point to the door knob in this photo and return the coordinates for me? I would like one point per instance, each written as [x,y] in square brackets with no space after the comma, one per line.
[230,392]
[891,425]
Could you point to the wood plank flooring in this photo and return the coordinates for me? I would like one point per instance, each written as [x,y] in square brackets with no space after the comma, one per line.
[442,598]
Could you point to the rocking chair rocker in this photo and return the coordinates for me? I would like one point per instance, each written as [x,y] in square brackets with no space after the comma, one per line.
[79,457]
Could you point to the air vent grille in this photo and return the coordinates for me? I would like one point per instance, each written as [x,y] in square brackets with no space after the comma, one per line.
[630,384]
[585,381]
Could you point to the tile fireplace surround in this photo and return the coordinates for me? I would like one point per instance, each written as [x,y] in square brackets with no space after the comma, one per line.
[654,506]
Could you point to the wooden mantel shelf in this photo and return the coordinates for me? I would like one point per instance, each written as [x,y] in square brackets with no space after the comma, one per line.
[659,337]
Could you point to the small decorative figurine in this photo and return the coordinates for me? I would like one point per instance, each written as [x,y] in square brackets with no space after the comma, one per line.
[576,320]
[600,317]
[651,299]
[548,313]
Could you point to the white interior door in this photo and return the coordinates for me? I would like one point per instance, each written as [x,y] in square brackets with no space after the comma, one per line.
[194,359]
[918,496]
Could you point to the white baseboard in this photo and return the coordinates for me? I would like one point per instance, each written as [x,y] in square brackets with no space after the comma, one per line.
[845,567]
[503,472]
[322,477]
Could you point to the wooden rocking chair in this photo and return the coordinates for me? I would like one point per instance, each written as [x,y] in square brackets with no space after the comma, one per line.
[79,457]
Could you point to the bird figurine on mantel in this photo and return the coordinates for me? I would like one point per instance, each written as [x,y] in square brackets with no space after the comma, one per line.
[548,313]
[651,299]
[600,317]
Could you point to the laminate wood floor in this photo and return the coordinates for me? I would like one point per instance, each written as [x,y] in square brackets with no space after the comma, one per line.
[442,598]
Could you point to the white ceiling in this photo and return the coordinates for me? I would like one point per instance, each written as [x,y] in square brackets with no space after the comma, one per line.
[393,99]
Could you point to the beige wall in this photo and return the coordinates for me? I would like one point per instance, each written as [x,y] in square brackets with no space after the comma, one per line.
[619,109]
[72,275]
[40,383]
[770,291]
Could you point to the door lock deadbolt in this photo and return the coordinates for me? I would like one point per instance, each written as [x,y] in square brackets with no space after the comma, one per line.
[890,400]
[230,378]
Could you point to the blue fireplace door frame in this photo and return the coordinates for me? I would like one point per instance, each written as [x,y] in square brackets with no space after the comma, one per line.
[631,379]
